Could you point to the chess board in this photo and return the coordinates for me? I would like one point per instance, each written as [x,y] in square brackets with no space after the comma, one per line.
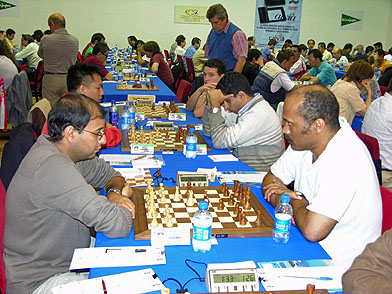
[129,87]
[224,224]
[140,181]
[166,141]
[158,111]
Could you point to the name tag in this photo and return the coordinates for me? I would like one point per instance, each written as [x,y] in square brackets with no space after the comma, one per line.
[170,236]
[142,148]
[201,149]
[139,116]
[177,116]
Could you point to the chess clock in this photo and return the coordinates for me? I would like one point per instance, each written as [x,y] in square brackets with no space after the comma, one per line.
[163,125]
[231,278]
[196,180]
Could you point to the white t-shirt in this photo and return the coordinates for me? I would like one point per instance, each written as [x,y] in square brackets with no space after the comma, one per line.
[282,80]
[342,185]
[7,70]
[178,51]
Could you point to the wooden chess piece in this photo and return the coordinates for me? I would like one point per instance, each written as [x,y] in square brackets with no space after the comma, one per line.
[237,209]
[223,188]
[310,289]
[212,179]
[226,192]
[239,216]
[190,200]
[154,222]
[231,201]
[243,220]
[169,222]
[221,205]
[177,196]
[258,222]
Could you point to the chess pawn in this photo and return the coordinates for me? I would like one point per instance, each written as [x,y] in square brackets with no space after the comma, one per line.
[163,196]
[258,222]
[169,222]
[223,188]
[243,220]
[150,139]
[177,195]
[231,201]
[154,222]
[212,179]
[221,205]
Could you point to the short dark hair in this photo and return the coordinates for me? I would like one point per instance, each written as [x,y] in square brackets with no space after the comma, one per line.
[10,32]
[216,63]
[369,49]
[100,47]
[81,74]
[311,40]
[358,71]
[319,102]
[380,52]
[97,37]
[378,44]
[37,35]
[217,10]
[272,42]
[322,45]
[284,55]
[75,110]
[139,42]
[253,53]
[151,46]
[28,38]
[302,47]
[316,54]
[330,44]
[390,51]
[288,41]
[250,38]
[348,46]
[195,40]
[133,38]
[47,32]
[234,82]
[180,39]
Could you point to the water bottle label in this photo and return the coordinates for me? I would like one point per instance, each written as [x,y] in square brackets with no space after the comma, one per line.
[283,225]
[133,115]
[191,146]
[125,120]
[114,118]
[201,234]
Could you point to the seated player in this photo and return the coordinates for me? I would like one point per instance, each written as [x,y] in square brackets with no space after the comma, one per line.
[379,61]
[299,67]
[180,49]
[336,199]
[52,200]
[158,64]
[255,135]
[372,270]
[86,79]
[29,53]
[98,58]
[321,72]
[95,39]
[273,81]
[254,62]
[141,56]
[214,70]
[326,54]
[347,90]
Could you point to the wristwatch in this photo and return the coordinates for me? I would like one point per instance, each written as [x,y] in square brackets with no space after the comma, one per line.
[215,110]
[118,191]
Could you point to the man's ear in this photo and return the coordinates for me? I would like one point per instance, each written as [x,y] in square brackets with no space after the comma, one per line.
[319,125]
[82,89]
[69,134]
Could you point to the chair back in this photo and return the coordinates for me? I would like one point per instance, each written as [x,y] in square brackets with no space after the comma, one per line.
[383,90]
[3,281]
[191,69]
[38,80]
[79,57]
[386,197]
[167,56]
[3,107]
[180,60]
[372,145]
[183,90]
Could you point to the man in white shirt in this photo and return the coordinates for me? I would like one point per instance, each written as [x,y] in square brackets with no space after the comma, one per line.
[180,49]
[338,58]
[326,54]
[336,199]
[378,123]
[30,53]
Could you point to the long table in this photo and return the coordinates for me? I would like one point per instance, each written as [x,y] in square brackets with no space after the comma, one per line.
[227,250]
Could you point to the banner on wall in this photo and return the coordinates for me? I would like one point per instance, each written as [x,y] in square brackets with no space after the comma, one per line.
[190,14]
[277,19]
[351,20]
[9,8]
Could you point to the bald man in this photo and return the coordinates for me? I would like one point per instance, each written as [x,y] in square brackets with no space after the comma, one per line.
[59,51]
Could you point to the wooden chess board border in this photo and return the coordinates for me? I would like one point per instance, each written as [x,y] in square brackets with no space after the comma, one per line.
[140,181]
[126,147]
[143,233]
[129,87]
[159,112]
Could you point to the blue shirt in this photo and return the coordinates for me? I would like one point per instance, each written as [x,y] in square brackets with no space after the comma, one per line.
[266,52]
[325,73]
[189,53]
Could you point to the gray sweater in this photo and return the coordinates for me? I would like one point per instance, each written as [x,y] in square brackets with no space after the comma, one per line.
[256,137]
[50,204]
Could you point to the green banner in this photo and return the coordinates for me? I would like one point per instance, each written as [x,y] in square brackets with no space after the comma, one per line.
[6,5]
[347,19]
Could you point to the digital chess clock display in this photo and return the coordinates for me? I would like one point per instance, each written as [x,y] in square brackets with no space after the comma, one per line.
[234,278]
[193,178]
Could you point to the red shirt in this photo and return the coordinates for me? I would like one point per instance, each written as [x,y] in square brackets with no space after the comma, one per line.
[164,71]
[93,60]
[85,49]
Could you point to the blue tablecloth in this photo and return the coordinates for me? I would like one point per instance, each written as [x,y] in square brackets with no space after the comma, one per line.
[163,94]
[228,250]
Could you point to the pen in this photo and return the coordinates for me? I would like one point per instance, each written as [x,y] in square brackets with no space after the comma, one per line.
[118,249]
[313,278]
[104,287]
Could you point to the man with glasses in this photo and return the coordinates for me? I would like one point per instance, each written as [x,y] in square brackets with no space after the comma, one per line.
[98,58]
[52,200]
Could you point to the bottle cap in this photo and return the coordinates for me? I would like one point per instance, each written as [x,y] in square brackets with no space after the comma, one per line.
[285,198]
[191,130]
[203,205]
[125,107]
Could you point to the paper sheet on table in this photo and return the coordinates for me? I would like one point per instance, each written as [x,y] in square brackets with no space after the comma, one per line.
[118,159]
[142,281]
[131,172]
[207,171]
[242,176]
[149,161]
[274,279]
[111,81]
[222,157]
[117,256]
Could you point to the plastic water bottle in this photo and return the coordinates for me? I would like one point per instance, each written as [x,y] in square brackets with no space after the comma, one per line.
[132,111]
[191,144]
[341,66]
[202,222]
[113,114]
[125,119]
[378,94]
[377,72]
[283,215]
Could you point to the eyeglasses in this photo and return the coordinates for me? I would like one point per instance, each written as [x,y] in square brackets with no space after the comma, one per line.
[99,134]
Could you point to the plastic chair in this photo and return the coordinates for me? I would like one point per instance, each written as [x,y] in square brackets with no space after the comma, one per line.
[183,90]
[372,145]
[191,69]
[180,60]
[386,197]
[167,56]
[38,80]
[3,280]
[79,57]
[383,90]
